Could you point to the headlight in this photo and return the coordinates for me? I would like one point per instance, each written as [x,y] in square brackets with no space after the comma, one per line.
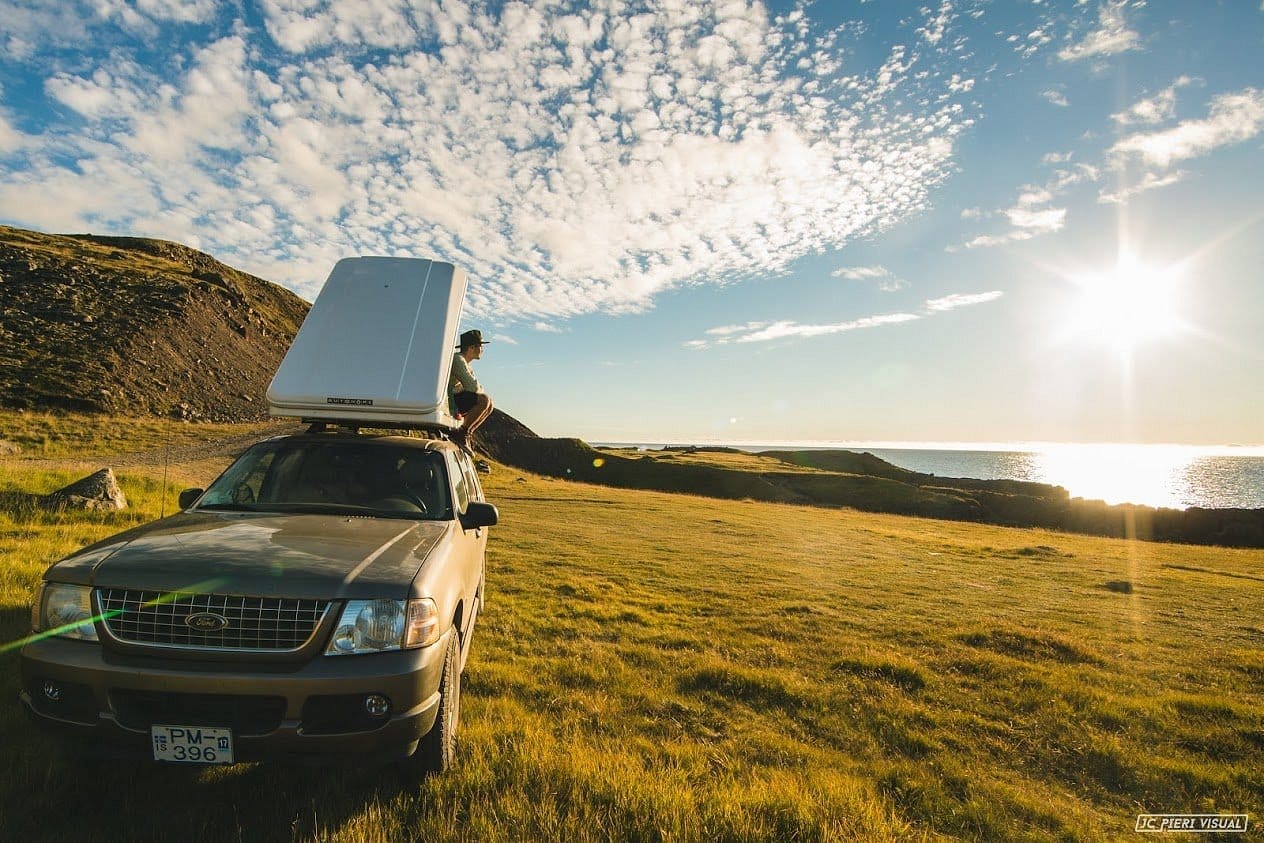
[375,626]
[66,610]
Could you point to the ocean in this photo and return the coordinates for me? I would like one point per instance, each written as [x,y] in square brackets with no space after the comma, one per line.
[1153,475]
[1175,476]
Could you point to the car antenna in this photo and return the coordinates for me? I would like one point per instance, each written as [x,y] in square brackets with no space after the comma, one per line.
[166,458]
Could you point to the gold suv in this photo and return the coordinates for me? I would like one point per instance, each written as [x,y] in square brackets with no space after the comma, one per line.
[319,598]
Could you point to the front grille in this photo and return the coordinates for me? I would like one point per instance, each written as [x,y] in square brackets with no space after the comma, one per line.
[252,623]
[245,715]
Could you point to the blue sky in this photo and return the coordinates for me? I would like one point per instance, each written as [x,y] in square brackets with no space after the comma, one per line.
[710,221]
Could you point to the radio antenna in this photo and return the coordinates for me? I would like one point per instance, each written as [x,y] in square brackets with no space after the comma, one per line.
[166,458]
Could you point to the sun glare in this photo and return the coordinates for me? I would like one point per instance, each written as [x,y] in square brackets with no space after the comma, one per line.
[1127,305]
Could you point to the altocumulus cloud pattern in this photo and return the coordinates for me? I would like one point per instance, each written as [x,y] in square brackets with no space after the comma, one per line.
[575,157]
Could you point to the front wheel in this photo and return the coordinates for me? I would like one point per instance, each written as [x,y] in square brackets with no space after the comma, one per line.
[436,751]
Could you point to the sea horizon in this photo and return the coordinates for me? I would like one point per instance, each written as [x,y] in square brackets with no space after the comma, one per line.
[1173,476]
[1228,449]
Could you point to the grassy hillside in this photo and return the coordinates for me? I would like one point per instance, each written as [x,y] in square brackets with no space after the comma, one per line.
[137,326]
[667,667]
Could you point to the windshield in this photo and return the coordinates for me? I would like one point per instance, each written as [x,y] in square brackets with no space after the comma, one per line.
[363,478]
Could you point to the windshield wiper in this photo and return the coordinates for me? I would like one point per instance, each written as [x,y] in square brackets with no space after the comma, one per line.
[230,507]
[347,509]
[314,506]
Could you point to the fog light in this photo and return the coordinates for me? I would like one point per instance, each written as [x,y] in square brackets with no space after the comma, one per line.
[377,705]
[52,691]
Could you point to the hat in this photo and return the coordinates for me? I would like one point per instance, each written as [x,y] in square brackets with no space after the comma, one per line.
[470,338]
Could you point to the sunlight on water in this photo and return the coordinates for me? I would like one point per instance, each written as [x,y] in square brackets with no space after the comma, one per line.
[1153,475]
[1174,476]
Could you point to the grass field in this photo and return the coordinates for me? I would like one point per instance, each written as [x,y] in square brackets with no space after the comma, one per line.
[667,667]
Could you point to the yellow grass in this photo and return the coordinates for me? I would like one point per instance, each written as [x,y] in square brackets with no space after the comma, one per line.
[667,667]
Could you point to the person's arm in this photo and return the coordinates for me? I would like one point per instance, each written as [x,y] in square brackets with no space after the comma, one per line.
[463,375]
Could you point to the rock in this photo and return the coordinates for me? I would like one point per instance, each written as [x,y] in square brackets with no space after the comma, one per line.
[98,491]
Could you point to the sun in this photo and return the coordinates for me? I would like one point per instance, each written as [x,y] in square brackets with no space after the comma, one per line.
[1127,305]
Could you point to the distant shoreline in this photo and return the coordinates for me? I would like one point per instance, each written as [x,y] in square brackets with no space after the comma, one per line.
[756,446]
[1161,476]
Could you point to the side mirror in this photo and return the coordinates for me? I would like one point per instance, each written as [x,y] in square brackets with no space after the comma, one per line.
[188,496]
[479,515]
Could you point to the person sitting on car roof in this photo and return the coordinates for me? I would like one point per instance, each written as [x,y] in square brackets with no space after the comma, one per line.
[466,397]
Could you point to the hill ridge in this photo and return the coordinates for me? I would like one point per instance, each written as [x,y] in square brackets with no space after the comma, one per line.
[129,325]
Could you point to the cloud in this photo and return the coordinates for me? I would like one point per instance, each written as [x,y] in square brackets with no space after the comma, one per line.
[10,138]
[783,330]
[1040,220]
[887,282]
[957,300]
[1056,97]
[547,328]
[572,159]
[730,330]
[1232,118]
[1031,43]
[139,14]
[1153,109]
[786,329]
[861,273]
[29,25]
[1110,38]
[985,240]
[1149,181]
[1030,216]
[937,23]
[1033,212]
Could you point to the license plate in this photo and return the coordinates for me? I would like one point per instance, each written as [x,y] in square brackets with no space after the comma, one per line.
[192,744]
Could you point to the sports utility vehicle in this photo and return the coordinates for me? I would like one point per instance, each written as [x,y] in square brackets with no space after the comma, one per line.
[318,598]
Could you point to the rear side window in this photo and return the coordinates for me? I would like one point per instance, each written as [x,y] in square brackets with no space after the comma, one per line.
[471,478]
[459,482]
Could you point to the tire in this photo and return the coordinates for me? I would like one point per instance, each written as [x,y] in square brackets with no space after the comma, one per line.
[437,749]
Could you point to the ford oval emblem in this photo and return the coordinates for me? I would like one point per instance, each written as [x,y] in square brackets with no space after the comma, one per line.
[207,622]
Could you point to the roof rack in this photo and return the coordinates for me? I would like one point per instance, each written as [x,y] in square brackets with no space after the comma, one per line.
[425,431]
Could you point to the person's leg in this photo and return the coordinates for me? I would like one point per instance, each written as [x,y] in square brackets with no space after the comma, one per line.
[477,414]
[464,402]
[475,418]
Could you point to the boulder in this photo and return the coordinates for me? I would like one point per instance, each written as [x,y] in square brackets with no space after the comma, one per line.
[98,491]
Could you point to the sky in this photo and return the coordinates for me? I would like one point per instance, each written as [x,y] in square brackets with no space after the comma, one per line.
[710,220]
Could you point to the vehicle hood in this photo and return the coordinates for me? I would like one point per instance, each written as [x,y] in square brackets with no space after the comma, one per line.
[302,556]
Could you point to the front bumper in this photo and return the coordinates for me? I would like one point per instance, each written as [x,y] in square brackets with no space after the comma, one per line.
[107,701]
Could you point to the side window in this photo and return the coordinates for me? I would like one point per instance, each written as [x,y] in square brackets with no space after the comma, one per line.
[459,482]
[471,478]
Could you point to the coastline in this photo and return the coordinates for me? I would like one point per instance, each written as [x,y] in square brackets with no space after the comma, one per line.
[1161,476]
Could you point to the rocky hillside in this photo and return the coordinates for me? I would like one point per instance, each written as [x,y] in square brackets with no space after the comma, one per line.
[126,325]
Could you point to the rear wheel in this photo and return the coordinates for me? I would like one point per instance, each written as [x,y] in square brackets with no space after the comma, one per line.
[436,751]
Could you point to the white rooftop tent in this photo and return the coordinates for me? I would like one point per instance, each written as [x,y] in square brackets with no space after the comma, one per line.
[376,347]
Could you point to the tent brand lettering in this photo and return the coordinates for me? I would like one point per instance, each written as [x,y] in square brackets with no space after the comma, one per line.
[351,402]
[1204,823]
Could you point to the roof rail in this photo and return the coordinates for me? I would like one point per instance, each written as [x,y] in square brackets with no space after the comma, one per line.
[424,431]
